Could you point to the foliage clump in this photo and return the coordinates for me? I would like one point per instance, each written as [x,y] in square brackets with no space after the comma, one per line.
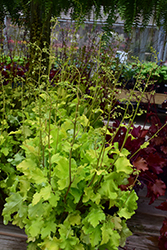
[66,178]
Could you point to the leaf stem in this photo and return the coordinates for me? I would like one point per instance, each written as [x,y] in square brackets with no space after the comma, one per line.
[49,134]
[72,144]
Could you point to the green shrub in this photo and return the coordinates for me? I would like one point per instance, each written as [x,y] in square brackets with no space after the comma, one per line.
[65,178]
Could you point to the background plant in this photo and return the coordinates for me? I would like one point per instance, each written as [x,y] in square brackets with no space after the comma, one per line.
[150,161]
[36,17]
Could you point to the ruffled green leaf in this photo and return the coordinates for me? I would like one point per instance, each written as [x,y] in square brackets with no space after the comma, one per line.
[122,164]
[95,216]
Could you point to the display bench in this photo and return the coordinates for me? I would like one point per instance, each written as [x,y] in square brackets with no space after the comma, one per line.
[156,98]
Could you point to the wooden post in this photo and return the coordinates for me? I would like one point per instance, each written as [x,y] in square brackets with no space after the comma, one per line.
[40,32]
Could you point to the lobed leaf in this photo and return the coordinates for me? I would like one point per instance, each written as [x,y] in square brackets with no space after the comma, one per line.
[107,232]
[13,203]
[31,171]
[95,216]
[44,193]
[122,164]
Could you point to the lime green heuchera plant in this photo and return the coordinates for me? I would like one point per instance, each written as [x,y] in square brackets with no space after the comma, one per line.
[67,179]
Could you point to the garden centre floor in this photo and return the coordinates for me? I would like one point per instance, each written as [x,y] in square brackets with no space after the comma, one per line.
[145,225]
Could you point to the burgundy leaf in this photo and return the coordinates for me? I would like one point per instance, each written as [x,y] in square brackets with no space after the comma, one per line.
[164,149]
[150,149]
[156,189]
[158,140]
[153,129]
[140,164]
[159,187]
[149,176]
[133,145]
[155,162]
[163,206]
[163,230]
[135,131]
[143,133]
[156,169]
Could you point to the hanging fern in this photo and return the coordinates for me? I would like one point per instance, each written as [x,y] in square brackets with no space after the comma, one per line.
[131,11]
